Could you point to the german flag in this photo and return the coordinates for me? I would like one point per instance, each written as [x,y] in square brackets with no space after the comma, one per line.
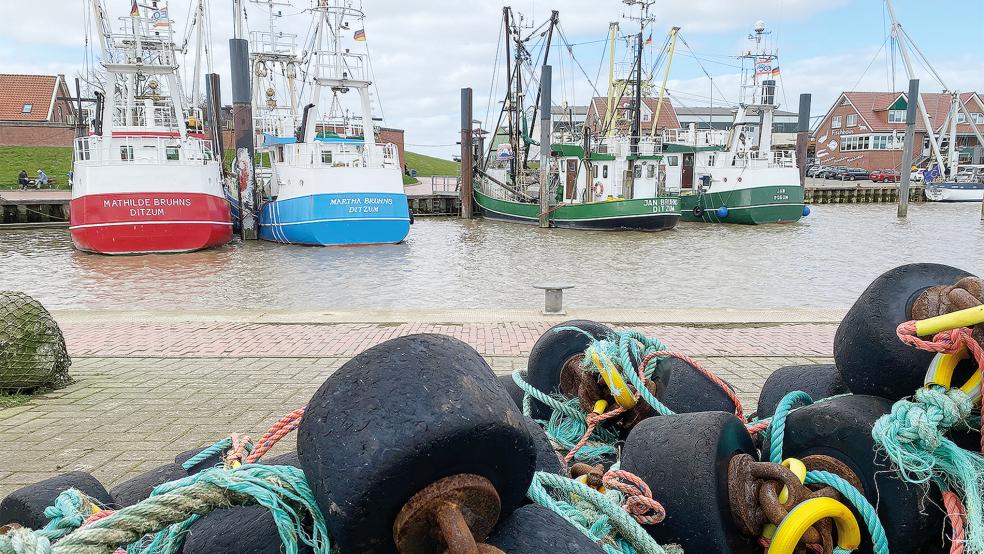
[134,9]
[649,41]
[360,35]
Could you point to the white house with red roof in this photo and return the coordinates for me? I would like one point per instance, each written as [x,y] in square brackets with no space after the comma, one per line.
[867,129]
[31,113]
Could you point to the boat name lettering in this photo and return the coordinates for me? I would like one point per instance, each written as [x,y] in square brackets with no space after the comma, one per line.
[147,202]
[363,210]
[780,195]
[344,201]
[660,204]
[144,212]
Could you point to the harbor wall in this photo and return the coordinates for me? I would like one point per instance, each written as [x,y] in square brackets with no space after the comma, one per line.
[36,134]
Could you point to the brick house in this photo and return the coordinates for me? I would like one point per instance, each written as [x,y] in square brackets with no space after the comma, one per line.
[31,113]
[867,129]
[598,111]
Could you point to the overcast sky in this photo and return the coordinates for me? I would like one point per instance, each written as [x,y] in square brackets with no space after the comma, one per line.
[425,51]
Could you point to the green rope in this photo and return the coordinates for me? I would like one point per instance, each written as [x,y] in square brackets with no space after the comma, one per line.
[622,346]
[281,489]
[913,437]
[598,516]
[777,431]
[69,511]
[217,448]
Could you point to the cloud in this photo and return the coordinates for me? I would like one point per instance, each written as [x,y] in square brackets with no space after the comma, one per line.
[423,53]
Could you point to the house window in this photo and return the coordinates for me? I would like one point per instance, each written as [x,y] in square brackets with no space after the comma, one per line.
[171,153]
[604,171]
[650,171]
[646,117]
[978,118]
[27,108]
[673,161]
[835,122]
[852,120]
[326,157]
[961,117]
[849,144]
[896,116]
[126,153]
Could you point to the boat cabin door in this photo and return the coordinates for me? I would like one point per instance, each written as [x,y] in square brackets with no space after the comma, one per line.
[570,190]
[688,171]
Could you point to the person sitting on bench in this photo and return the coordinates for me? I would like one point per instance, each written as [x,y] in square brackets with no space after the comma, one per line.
[22,179]
[42,179]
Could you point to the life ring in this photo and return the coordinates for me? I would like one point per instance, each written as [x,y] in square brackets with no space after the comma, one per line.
[598,189]
[698,211]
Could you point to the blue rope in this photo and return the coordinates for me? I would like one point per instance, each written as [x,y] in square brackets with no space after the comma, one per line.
[221,446]
[598,516]
[280,489]
[868,513]
[777,431]
[913,437]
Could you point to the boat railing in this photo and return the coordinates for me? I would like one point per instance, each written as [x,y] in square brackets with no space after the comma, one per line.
[139,49]
[340,154]
[696,137]
[278,122]
[272,44]
[97,150]
[762,160]
[146,116]
[344,66]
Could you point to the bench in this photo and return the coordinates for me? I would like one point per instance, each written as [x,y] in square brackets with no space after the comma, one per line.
[553,297]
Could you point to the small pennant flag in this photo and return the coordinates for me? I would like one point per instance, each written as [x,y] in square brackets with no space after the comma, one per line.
[649,41]
[360,35]
[775,71]
[134,9]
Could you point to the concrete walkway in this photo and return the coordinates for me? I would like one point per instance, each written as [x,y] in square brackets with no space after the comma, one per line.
[148,387]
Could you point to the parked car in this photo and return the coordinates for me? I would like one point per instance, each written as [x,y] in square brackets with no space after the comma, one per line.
[885,176]
[812,170]
[916,176]
[853,174]
[830,171]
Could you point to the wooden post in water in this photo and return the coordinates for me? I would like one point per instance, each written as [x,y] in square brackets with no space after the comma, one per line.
[244,169]
[467,154]
[803,136]
[910,133]
[546,80]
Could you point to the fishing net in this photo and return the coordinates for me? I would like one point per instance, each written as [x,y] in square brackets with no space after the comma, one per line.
[32,348]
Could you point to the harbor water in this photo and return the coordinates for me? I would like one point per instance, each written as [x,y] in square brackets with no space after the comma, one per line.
[824,261]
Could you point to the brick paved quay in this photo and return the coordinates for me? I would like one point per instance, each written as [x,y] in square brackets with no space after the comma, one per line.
[147,388]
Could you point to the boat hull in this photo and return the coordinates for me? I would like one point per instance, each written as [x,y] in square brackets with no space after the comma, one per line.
[955,192]
[337,219]
[645,214]
[149,222]
[751,206]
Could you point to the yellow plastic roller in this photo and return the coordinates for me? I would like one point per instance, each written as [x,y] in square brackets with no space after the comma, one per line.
[941,371]
[963,318]
[804,515]
[615,383]
[798,469]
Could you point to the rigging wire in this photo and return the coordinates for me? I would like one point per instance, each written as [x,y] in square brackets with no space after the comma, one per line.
[704,69]
[875,57]
[495,72]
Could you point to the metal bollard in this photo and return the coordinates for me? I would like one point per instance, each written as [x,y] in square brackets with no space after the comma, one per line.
[553,298]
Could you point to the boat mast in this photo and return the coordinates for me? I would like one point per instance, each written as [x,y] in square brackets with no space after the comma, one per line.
[900,37]
[636,133]
[509,94]
[666,76]
[554,19]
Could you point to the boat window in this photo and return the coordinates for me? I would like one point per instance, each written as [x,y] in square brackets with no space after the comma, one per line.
[638,171]
[172,153]
[673,160]
[710,160]
[280,153]
[604,171]
[594,172]
[650,171]
[326,157]
[126,153]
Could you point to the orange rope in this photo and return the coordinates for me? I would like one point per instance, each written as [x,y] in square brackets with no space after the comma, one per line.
[957,514]
[639,502]
[739,410]
[276,432]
